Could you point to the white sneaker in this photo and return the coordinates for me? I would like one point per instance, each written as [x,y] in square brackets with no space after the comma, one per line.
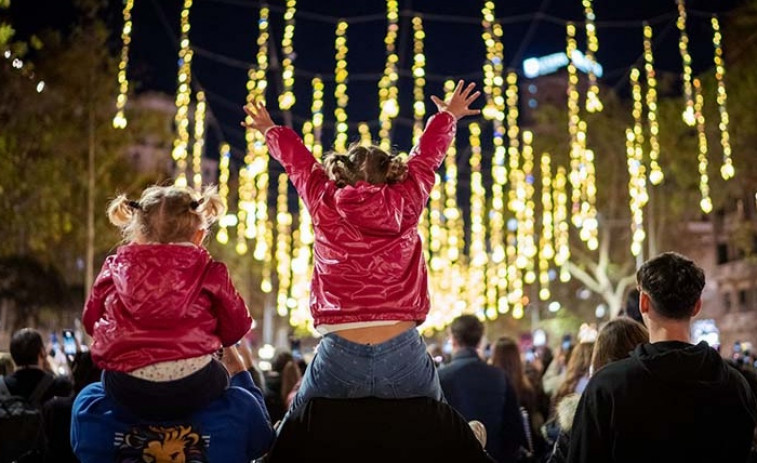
[479,430]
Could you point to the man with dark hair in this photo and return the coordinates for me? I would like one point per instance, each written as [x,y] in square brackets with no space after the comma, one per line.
[670,400]
[482,392]
[28,353]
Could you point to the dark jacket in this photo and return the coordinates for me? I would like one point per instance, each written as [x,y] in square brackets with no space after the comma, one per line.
[482,392]
[669,402]
[370,430]
[24,380]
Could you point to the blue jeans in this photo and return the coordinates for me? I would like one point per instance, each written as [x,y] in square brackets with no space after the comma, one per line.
[398,368]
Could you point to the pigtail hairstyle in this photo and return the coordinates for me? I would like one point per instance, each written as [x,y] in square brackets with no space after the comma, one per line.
[339,169]
[121,213]
[210,206]
[397,170]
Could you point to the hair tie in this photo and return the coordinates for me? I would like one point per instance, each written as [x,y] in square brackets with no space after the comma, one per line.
[134,205]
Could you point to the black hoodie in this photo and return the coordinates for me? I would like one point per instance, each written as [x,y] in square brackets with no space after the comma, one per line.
[669,402]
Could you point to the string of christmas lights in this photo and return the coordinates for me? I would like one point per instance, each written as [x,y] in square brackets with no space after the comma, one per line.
[593,103]
[477,245]
[656,175]
[704,179]
[560,217]
[528,244]
[726,170]
[388,92]
[283,247]
[287,98]
[199,144]
[340,93]
[119,120]
[299,315]
[683,46]
[419,78]
[513,134]
[317,111]
[573,124]
[181,119]
[636,190]
[222,236]
[546,238]
[244,204]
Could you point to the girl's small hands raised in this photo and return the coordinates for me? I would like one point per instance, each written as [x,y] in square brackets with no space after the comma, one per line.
[261,120]
[459,102]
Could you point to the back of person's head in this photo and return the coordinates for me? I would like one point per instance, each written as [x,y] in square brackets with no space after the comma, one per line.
[578,367]
[280,360]
[616,340]
[673,283]
[370,164]
[84,371]
[467,331]
[290,376]
[26,347]
[631,310]
[6,364]
[506,355]
[166,214]
[546,355]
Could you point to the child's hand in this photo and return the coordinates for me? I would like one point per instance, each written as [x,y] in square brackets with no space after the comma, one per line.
[459,102]
[261,120]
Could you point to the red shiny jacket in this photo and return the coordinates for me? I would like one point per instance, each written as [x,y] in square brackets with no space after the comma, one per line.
[369,262]
[159,302]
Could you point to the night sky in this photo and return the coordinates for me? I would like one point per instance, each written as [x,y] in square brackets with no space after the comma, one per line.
[224,34]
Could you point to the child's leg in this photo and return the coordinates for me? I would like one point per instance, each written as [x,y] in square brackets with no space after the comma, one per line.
[166,400]
[404,369]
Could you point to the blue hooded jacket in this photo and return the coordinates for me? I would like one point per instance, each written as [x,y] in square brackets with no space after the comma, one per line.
[234,428]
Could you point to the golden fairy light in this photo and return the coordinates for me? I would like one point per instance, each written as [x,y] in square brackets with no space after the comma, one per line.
[243,209]
[656,175]
[223,190]
[317,111]
[388,92]
[493,65]
[264,236]
[283,246]
[683,46]
[365,134]
[477,246]
[573,126]
[119,120]
[199,144]
[593,103]
[704,180]
[419,78]
[636,190]
[546,239]
[340,93]
[181,119]
[726,170]
[287,98]
[561,224]
[299,315]
[526,242]
[513,134]
[452,214]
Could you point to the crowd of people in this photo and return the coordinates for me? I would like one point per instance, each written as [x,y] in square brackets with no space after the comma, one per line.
[164,380]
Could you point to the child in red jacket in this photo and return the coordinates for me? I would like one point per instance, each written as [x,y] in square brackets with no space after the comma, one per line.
[161,306]
[369,289]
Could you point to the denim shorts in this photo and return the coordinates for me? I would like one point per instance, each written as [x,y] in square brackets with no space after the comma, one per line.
[399,368]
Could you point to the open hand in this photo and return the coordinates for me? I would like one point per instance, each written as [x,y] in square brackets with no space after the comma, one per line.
[260,119]
[459,102]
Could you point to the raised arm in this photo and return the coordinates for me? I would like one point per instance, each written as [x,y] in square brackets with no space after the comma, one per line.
[429,153]
[285,146]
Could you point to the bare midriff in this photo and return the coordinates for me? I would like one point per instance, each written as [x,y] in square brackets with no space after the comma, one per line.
[375,334]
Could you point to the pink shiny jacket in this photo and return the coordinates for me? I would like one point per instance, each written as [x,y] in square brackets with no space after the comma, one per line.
[160,302]
[369,262]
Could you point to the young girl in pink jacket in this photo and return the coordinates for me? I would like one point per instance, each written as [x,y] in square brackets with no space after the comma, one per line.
[369,290]
[161,306]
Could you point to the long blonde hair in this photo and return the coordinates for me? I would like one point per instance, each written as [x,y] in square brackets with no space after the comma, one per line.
[166,214]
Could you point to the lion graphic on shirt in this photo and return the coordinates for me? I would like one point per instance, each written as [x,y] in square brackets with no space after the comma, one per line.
[159,444]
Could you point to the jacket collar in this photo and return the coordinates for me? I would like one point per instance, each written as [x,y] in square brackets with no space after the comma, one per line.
[466,353]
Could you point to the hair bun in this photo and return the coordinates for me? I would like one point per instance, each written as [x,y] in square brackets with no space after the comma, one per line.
[397,171]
